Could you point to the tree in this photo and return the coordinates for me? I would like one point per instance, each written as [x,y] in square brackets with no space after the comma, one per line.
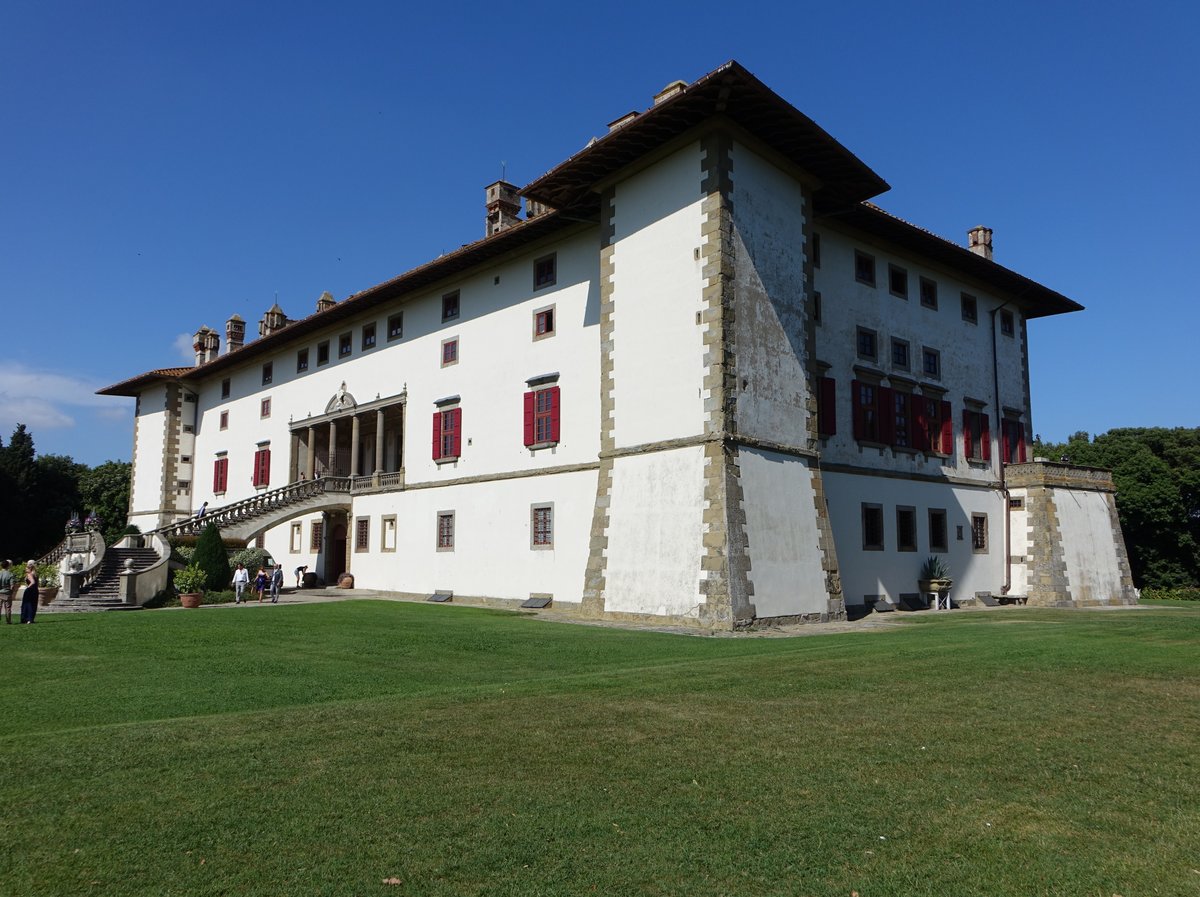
[105,490]
[211,557]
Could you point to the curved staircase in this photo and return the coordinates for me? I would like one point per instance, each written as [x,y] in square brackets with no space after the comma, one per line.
[104,591]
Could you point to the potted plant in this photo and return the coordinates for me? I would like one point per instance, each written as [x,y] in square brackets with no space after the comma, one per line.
[48,583]
[190,582]
[935,577]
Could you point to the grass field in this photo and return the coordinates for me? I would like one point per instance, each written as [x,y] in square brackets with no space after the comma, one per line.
[387,748]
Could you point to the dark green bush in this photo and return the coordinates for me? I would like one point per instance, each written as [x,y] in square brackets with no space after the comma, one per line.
[1171,594]
[211,557]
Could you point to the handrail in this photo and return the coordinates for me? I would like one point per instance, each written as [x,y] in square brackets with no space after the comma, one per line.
[255,506]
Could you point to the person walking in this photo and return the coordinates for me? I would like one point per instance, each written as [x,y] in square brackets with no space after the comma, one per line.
[29,598]
[260,583]
[241,579]
[276,583]
[7,589]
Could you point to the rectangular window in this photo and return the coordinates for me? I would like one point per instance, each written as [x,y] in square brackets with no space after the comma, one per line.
[933,429]
[542,416]
[866,411]
[450,306]
[898,281]
[545,271]
[322,352]
[542,526]
[445,531]
[449,351]
[362,534]
[979,533]
[316,535]
[387,533]
[906,529]
[901,435]
[970,309]
[827,407]
[395,326]
[977,440]
[225,388]
[267,373]
[816,250]
[817,307]
[1017,504]
[864,268]
[1012,445]
[931,363]
[345,345]
[183,487]
[296,541]
[224,420]
[262,467]
[1007,327]
[447,434]
[929,293]
[900,354]
[937,530]
[543,323]
[220,476]
[368,336]
[260,541]
[867,344]
[264,408]
[302,361]
[872,527]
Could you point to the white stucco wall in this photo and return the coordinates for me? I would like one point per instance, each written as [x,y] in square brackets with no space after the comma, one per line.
[655,533]
[781,531]
[1020,546]
[891,572]
[657,341]
[768,219]
[146,489]
[1089,547]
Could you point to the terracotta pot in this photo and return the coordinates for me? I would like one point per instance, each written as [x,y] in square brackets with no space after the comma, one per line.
[191,599]
[45,596]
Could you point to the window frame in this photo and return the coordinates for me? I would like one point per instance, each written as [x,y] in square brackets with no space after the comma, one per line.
[969,302]
[1008,324]
[909,513]
[444,531]
[875,511]
[546,263]
[864,268]
[927,354]
[268,373]
[395,326]
[979,533]
[221,474]
[549,314]
[323,353]
[547,532]
[316,535]
[451,305]
[226,387]
[223,421]
[901,344]
[362,534]
[451,342]
[861,332]
[929,292]
[388,522]
[296,538]
[368,337]
[261,471]
[936,547]
[345,344]
[264,408]
[302,360]
[543,416]
[895,271]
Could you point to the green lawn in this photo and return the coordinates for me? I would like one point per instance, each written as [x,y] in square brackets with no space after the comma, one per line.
[328,749]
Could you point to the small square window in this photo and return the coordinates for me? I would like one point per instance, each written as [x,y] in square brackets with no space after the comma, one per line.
[906,529]
[445,531]
[450,306]
[264,408]
[1006,322]
[541,527]
[928,293]
[816,250]
[368,336]
[900,354]
[268,373]
[225,388]
[395,326]
[345,345]
[322,352]
[302,361]
[449,352]
[545,271]
[898,281]
[1017,504]
[979,533]
[224,420]
[872,527]
[867,344]
[543,323]
[185,459]
[864,268]
[970,309]
[931,363]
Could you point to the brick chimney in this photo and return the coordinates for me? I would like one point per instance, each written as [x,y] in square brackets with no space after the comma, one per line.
[235,333]
[206,344]
[979,241]
[273,320]
[503,207]
[325,302]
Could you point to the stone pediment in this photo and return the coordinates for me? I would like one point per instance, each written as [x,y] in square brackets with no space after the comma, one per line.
[341,401]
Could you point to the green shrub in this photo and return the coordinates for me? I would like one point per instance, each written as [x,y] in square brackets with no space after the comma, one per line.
[211,557]
[1171,594]
[222,597]
[190,579]
[252,557]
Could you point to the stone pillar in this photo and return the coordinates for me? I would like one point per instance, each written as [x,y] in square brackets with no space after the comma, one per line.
[294,463]
[333,448]
[310,460]
[378,442]
[354,427]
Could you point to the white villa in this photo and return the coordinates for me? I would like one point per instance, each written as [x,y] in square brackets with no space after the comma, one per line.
[691,374]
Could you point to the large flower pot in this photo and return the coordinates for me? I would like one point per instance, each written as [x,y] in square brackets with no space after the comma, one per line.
[191,599]
[45,595]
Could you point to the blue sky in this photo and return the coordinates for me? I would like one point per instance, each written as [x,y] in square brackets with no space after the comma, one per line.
[165,166]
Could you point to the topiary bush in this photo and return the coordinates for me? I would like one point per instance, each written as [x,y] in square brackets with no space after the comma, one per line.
[211,557]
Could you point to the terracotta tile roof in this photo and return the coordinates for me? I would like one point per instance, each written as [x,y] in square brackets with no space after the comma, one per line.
[127,387]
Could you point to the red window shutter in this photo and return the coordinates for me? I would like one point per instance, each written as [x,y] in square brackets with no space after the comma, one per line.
[985,441]
[919,422]
[856,408]
[554,416]
[885,413]
[437,435]
[1020,443]
[529,418]
[947,418]
[217,476]
[827,407]
[1006,445]
[967,433]
[457,421]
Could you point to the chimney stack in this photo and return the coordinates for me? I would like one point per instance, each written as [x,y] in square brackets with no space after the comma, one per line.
[675,87]
[503,207]
[979,241]
[235,333]
[622,121]
[273,320]
[206,344]
[325,302]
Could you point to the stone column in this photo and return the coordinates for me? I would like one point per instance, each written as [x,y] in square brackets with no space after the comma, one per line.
[379,442]
[310,460]
[294,466]
[354,425]
[333,448]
